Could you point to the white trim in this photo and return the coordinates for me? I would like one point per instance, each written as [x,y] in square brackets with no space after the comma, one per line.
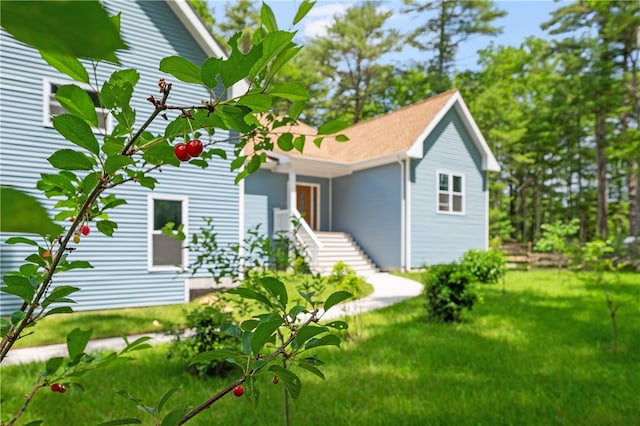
[403,213]
[408,220]
[330,204]
[486,213]
[241,214]
[192,23]
[46,103]
[489,162]
[450,192]
[150,231]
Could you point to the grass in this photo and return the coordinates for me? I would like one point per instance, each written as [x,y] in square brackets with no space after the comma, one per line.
[129,321]
[538,354]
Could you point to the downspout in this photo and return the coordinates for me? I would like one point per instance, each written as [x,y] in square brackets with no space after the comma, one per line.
[407,187]
[402,216]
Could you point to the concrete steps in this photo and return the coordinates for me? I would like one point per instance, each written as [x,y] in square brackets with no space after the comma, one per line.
[339,246]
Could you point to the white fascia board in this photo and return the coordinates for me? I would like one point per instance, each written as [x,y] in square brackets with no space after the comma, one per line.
[379,161]
[192,22]
[489,162]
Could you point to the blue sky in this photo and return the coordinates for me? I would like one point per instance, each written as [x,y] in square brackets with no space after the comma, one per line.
[523,19]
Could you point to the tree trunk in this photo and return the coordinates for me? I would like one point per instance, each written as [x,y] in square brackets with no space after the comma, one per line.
[601,160]
[634,209]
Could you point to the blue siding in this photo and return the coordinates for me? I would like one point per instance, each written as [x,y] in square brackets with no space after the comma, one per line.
[437,237]
[275,187]
[271,185]
[367,204]
[120,277]
[256,212]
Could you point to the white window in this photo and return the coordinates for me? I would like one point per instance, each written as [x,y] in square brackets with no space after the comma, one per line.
[52,107]
[450,193]
[164,251]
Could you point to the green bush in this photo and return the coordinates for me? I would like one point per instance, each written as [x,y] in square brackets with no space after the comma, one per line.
[345,278]
[448,291]
[486,266]
[207,322]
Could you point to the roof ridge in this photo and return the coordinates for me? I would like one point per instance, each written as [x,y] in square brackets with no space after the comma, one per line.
[449,92]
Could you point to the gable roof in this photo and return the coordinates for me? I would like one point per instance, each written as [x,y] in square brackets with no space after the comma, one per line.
[201,33]
[393,136]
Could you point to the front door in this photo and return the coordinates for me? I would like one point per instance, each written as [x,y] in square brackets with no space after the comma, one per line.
[307,205]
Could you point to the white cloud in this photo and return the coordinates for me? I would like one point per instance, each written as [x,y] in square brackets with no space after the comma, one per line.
[320,18]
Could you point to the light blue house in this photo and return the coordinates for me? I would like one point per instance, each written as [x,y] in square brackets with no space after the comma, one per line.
[409,189]
[136,266]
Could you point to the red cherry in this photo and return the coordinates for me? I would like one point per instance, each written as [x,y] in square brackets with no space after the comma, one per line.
[62,389]
[194,148]
[57,387]
[181,152]
[238,390]
[46,254]
[85,230]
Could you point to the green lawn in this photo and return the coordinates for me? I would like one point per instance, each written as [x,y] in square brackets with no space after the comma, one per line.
[537,355]
[115,322]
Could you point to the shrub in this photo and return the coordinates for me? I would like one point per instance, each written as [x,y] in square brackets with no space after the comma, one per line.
[207,322]
[345,278]
[486,266]
[448,291]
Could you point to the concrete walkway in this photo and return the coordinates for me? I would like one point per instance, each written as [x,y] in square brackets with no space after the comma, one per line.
[388,289]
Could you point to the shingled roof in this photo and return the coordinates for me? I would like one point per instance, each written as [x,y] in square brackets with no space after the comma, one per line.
[396,134]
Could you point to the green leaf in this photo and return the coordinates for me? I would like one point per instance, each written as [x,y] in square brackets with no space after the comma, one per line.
[237,66]
[164,398]
[78,264]
[34,423]
[174,417]
[272,45]
[210,71]
[328,340]
[68,159]
[116,162]
[298,143]
[59,310]
[77,131]
[17,316]
[312,369]
[78,102]
[250,294]
[290,380]
[125,421]
[106,227]
[67,65]
[258,102]
[78,29]
[77,342]
[60,292]
[53,364]
[303,9]
[285,141]
[214,356]
[307,333]
[338,325]
[20,240]
[182,69]
[296,109]
[20,212]
[292,91]
[268,18]
[277,290]
[254,164]
[335,298]
[342,138]
[332,126]
[136,345]
[19,280]
[263,332]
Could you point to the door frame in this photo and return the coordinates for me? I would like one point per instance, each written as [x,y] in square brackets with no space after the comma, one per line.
[315,202]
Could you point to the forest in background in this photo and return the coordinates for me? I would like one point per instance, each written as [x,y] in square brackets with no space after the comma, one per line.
[561,114]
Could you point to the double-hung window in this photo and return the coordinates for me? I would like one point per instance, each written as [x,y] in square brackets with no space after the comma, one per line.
[52,107]
[450,193]
[165,251]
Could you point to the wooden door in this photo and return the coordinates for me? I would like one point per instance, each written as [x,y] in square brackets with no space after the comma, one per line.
[307,204]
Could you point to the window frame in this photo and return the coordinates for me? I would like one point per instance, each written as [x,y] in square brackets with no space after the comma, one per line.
[47,117]
[450,192]
[151,198]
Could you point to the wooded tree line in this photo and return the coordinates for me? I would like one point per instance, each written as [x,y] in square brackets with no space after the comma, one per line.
[561,114]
